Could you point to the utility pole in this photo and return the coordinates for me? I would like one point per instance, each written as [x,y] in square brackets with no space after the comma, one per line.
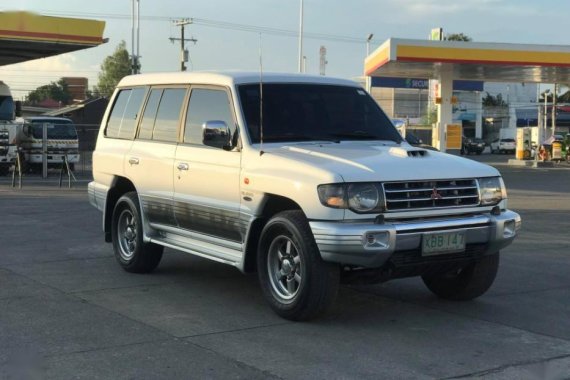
[183,52]
[301,39]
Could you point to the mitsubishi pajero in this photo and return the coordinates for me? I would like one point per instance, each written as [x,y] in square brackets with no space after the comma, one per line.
[302,179]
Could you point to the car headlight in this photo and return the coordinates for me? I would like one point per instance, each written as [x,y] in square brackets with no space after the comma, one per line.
[358,197]
[492,190]
[333,195]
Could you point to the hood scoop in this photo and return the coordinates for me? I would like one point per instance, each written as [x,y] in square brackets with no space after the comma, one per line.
[417,153]
[402,152]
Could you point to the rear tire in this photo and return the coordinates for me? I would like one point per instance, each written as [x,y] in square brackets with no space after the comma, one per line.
[466,284]
[132,253]
[296,282]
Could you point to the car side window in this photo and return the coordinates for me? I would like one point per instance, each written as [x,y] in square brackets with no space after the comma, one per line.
[149,116]
[206,105]
[168,115]
[123,118]
[134,105]
[116,117]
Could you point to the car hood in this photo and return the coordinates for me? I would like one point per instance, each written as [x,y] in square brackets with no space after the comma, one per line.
[376,161]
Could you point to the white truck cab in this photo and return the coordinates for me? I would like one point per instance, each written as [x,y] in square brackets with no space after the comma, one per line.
[61,141]
[301,178]
[8,128]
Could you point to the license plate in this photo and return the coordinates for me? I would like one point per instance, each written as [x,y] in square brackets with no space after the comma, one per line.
[443,242]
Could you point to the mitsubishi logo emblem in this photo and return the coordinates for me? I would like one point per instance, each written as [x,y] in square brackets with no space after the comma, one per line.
[435,194]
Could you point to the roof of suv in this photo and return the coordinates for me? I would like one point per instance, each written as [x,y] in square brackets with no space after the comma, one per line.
[228,78]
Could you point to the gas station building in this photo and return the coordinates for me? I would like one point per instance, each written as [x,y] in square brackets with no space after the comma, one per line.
[449,61]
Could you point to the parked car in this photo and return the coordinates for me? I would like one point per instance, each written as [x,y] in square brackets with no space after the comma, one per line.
[503,146]
[302,179]
[472,145]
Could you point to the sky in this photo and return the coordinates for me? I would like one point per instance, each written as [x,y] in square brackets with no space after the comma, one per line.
[340,26]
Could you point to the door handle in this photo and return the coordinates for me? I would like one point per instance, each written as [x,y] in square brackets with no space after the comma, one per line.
[133,161]
[183,166]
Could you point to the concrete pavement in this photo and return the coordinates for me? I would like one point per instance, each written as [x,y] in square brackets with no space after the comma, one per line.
[68,311]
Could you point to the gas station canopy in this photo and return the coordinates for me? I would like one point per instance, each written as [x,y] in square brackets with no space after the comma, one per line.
[492,62]
[25,36]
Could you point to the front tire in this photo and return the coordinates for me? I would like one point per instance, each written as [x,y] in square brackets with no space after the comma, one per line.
[467,283]
[132,253]
[294,279]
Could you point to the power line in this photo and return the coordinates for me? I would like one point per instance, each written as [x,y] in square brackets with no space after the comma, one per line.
[219,25]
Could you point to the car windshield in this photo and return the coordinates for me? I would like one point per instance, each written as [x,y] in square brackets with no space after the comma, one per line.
[56,129]
[6,108]
[309,112]
[508,140]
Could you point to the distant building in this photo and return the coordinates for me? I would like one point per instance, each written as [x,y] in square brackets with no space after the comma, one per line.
[77,87]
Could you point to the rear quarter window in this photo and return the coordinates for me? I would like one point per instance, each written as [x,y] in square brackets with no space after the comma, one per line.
[123,119]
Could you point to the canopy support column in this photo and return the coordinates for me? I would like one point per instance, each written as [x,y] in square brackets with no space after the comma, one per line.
[479,116]
[444,108]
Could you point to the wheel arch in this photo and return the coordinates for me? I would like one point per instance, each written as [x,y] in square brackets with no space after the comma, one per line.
[273,204]
[119,187]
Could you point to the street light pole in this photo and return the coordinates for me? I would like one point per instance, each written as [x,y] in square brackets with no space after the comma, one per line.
[368,79]
[301,38]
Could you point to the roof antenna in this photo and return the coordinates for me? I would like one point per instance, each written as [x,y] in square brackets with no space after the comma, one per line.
[260,97]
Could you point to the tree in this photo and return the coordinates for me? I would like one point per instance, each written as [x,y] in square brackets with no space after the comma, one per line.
[494,101]
[457,37]
[113,69]
[58,91]
[564,98]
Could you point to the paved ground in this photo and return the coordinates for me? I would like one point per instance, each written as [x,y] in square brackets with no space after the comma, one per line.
[68,311]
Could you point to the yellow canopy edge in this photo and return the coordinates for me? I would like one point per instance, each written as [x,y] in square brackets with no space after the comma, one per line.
[33,27]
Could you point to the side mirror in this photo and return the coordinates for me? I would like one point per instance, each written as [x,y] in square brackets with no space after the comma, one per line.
[217,134]
[18,106]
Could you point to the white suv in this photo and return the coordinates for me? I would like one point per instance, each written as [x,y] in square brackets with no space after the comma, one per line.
[303,179]
[504,146]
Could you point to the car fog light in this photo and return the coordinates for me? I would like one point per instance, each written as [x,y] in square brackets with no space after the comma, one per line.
[509,228]
[376,239]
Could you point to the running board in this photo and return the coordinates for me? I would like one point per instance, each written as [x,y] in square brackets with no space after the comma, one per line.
[211,253]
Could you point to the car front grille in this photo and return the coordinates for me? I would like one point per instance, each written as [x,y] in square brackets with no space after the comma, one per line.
[414,195]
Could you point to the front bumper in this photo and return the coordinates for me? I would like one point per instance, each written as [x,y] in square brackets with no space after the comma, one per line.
[54,158]
[371,245]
